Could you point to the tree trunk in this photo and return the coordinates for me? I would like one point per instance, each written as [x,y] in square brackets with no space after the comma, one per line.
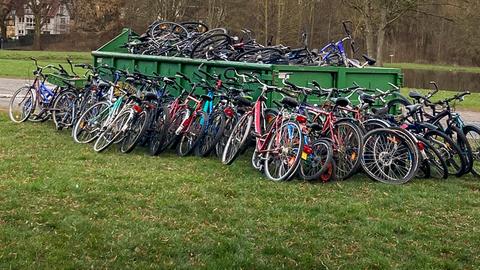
[278,38]
[37,45]
[381,36]
[266,22]
[3,29]
[370,38]
[312,24]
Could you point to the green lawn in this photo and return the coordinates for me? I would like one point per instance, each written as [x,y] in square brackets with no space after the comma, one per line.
[64,206]
[17,64]
[471,102]
[433,67]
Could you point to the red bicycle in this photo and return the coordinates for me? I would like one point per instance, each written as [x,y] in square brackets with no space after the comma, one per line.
[279,141]
[188,120]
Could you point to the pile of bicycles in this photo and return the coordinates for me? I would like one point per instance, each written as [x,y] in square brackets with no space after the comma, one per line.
[196,40]
[391,138]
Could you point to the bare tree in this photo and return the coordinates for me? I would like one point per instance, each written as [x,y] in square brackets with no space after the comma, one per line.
[41,13]
[6,7]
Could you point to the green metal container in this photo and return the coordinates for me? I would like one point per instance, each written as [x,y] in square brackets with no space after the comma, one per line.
[59,80]
[114,55]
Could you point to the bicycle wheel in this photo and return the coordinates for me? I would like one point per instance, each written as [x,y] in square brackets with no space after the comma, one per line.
[261,55]
[64,109]
[89,125]
[237,139]
[389,156]
[193,135]
[472,134]
[215,128]
[21,105]
[398,108]
[451,152]
[314,163]
[432,165]
[212,47]
[371,124]
[158,132]
[171,135]
[134,132]
[459,138]
[168,30]
[347,147]
[283,152]
[229,126]
[113,131]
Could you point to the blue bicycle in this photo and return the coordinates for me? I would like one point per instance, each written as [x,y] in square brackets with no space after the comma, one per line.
[335,54]
[35,102]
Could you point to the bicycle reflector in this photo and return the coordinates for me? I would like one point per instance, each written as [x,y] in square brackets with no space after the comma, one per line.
[137,108]
[229,112]
[420,145]
[307,149]
[301,119]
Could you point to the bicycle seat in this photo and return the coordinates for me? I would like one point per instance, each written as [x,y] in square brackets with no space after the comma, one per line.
[206,97]
[414,108]
[366,98]
[243,101]
[415,95]
[289,102]
[369,60]
[341,101]
[130,80]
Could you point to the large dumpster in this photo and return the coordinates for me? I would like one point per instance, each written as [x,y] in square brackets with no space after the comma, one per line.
[114,55]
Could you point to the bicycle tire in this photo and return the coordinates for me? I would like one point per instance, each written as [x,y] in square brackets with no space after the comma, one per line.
[172,127]
[229,126]
[159,132]
[296,149]
[207,42]
[380,163]
[449,150]
[346,155]
[82,122]
[29,100]
[472,133]
[134,132]
[212,134]
[252,54]
[237,139]
[112,132]
[434,161]
[459,137]
[60,110]
[321,156]
[193,135]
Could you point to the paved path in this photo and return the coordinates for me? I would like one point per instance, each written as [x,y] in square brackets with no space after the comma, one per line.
[8,87]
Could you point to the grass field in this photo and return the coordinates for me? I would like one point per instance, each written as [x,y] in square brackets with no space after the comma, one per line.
[17,64]
[433,67]
[470,103]
[63,206]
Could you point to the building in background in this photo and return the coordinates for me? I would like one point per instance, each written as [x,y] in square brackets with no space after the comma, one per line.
[11,25]
[22,21]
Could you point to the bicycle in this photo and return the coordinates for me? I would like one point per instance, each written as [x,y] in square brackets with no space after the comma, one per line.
[278,145]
